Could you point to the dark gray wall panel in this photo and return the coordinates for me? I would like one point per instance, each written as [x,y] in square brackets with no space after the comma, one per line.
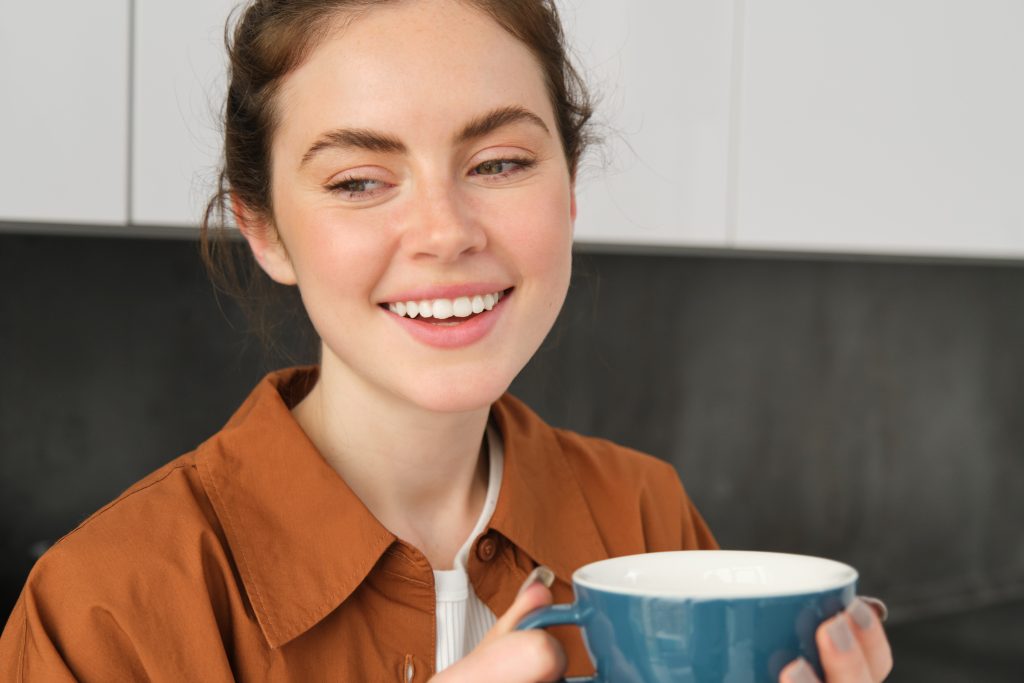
[115,358]
[872,412]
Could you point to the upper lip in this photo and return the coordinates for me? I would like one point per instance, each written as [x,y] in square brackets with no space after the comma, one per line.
[469,289]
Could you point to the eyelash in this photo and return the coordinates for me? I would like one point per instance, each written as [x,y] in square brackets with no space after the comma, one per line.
[520,164]
[339,187]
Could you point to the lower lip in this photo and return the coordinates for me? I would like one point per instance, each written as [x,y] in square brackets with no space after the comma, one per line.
[452,336]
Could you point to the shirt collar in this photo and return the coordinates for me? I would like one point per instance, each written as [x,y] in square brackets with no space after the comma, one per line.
[541,507]
[302,539]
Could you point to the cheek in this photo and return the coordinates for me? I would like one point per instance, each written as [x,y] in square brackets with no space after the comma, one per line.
[337,262]
[330,253]
[544,240]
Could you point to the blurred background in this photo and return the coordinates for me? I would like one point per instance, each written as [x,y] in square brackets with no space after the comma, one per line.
[799,278]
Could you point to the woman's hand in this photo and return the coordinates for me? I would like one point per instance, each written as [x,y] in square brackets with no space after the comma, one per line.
[509,656]
[853,649]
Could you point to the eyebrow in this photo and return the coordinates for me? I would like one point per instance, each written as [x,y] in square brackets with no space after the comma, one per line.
[374,141]
[354,138]
[498,118]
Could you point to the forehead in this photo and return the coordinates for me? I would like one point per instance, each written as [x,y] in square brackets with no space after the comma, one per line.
[418,69]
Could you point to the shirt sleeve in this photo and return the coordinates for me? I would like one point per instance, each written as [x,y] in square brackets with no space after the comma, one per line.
[103,605]
[671,520]
[22,651]
[50,638]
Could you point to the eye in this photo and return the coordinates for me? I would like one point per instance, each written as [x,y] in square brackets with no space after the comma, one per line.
[358,188]
[502,168]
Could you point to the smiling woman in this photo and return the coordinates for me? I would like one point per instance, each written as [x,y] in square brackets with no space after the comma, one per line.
[409,168]
[394,198]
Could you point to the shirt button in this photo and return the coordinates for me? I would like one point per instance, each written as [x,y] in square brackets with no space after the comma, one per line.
[487,548]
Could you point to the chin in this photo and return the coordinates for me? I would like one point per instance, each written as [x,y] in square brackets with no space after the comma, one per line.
[460,395]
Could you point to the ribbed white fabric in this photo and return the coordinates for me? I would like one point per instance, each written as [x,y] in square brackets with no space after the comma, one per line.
[462,619]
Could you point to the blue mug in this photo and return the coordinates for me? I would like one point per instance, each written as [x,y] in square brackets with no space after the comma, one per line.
[701,616]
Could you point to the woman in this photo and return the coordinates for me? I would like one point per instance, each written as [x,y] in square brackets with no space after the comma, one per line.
[410,167]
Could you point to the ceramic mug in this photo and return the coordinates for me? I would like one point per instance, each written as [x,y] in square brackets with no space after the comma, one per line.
[697,616]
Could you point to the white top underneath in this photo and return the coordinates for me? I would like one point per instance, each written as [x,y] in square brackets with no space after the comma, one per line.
[462,619]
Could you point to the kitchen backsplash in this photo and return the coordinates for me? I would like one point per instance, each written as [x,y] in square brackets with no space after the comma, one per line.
[868,411]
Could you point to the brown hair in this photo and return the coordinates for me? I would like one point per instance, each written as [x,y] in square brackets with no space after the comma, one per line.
[272,38]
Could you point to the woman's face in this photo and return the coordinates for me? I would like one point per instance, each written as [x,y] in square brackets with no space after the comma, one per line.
[417,159]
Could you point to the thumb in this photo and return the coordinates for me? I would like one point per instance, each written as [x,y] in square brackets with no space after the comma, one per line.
[533,594]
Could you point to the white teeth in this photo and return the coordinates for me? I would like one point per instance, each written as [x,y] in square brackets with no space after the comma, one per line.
[462,307]
[442,309]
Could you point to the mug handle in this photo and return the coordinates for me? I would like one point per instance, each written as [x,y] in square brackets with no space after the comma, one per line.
[557,615]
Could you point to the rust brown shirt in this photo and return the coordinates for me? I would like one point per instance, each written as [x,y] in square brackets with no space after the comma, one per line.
[250,559]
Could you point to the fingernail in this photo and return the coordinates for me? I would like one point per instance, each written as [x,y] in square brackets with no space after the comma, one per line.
[860,613]
[880,609]
[802,672]
[540,574]
[841,635]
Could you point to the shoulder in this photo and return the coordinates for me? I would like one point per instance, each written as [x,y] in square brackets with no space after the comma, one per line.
[601,462]
[146,574]
[601,466]
[637,501]
[168,501]
[636,493]
[157,536]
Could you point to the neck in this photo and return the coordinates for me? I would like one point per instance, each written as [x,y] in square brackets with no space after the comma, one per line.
[421,473]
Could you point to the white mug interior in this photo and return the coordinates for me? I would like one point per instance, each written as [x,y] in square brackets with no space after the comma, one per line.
[715,574]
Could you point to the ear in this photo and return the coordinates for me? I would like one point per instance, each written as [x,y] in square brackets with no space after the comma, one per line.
[265,243]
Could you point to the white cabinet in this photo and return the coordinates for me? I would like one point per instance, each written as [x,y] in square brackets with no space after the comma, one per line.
[852,126]
[662,71]
[880,126]
[662,74]
[64,111]
[178,94]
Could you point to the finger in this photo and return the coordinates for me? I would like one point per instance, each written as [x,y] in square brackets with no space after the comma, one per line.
[533,594]
[873,642]
[841,655]
[881,611]
[798,671]
[531,655]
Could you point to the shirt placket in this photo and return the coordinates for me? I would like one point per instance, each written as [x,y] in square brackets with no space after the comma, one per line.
[404,573]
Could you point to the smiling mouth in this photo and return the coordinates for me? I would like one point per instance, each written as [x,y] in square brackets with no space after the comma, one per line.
[447,312]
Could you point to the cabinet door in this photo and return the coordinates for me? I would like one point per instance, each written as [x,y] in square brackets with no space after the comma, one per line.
[661,72]
[880,126]
[178,96]
[64,111]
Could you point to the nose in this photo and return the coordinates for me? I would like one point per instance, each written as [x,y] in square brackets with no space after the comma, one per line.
[443,225]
